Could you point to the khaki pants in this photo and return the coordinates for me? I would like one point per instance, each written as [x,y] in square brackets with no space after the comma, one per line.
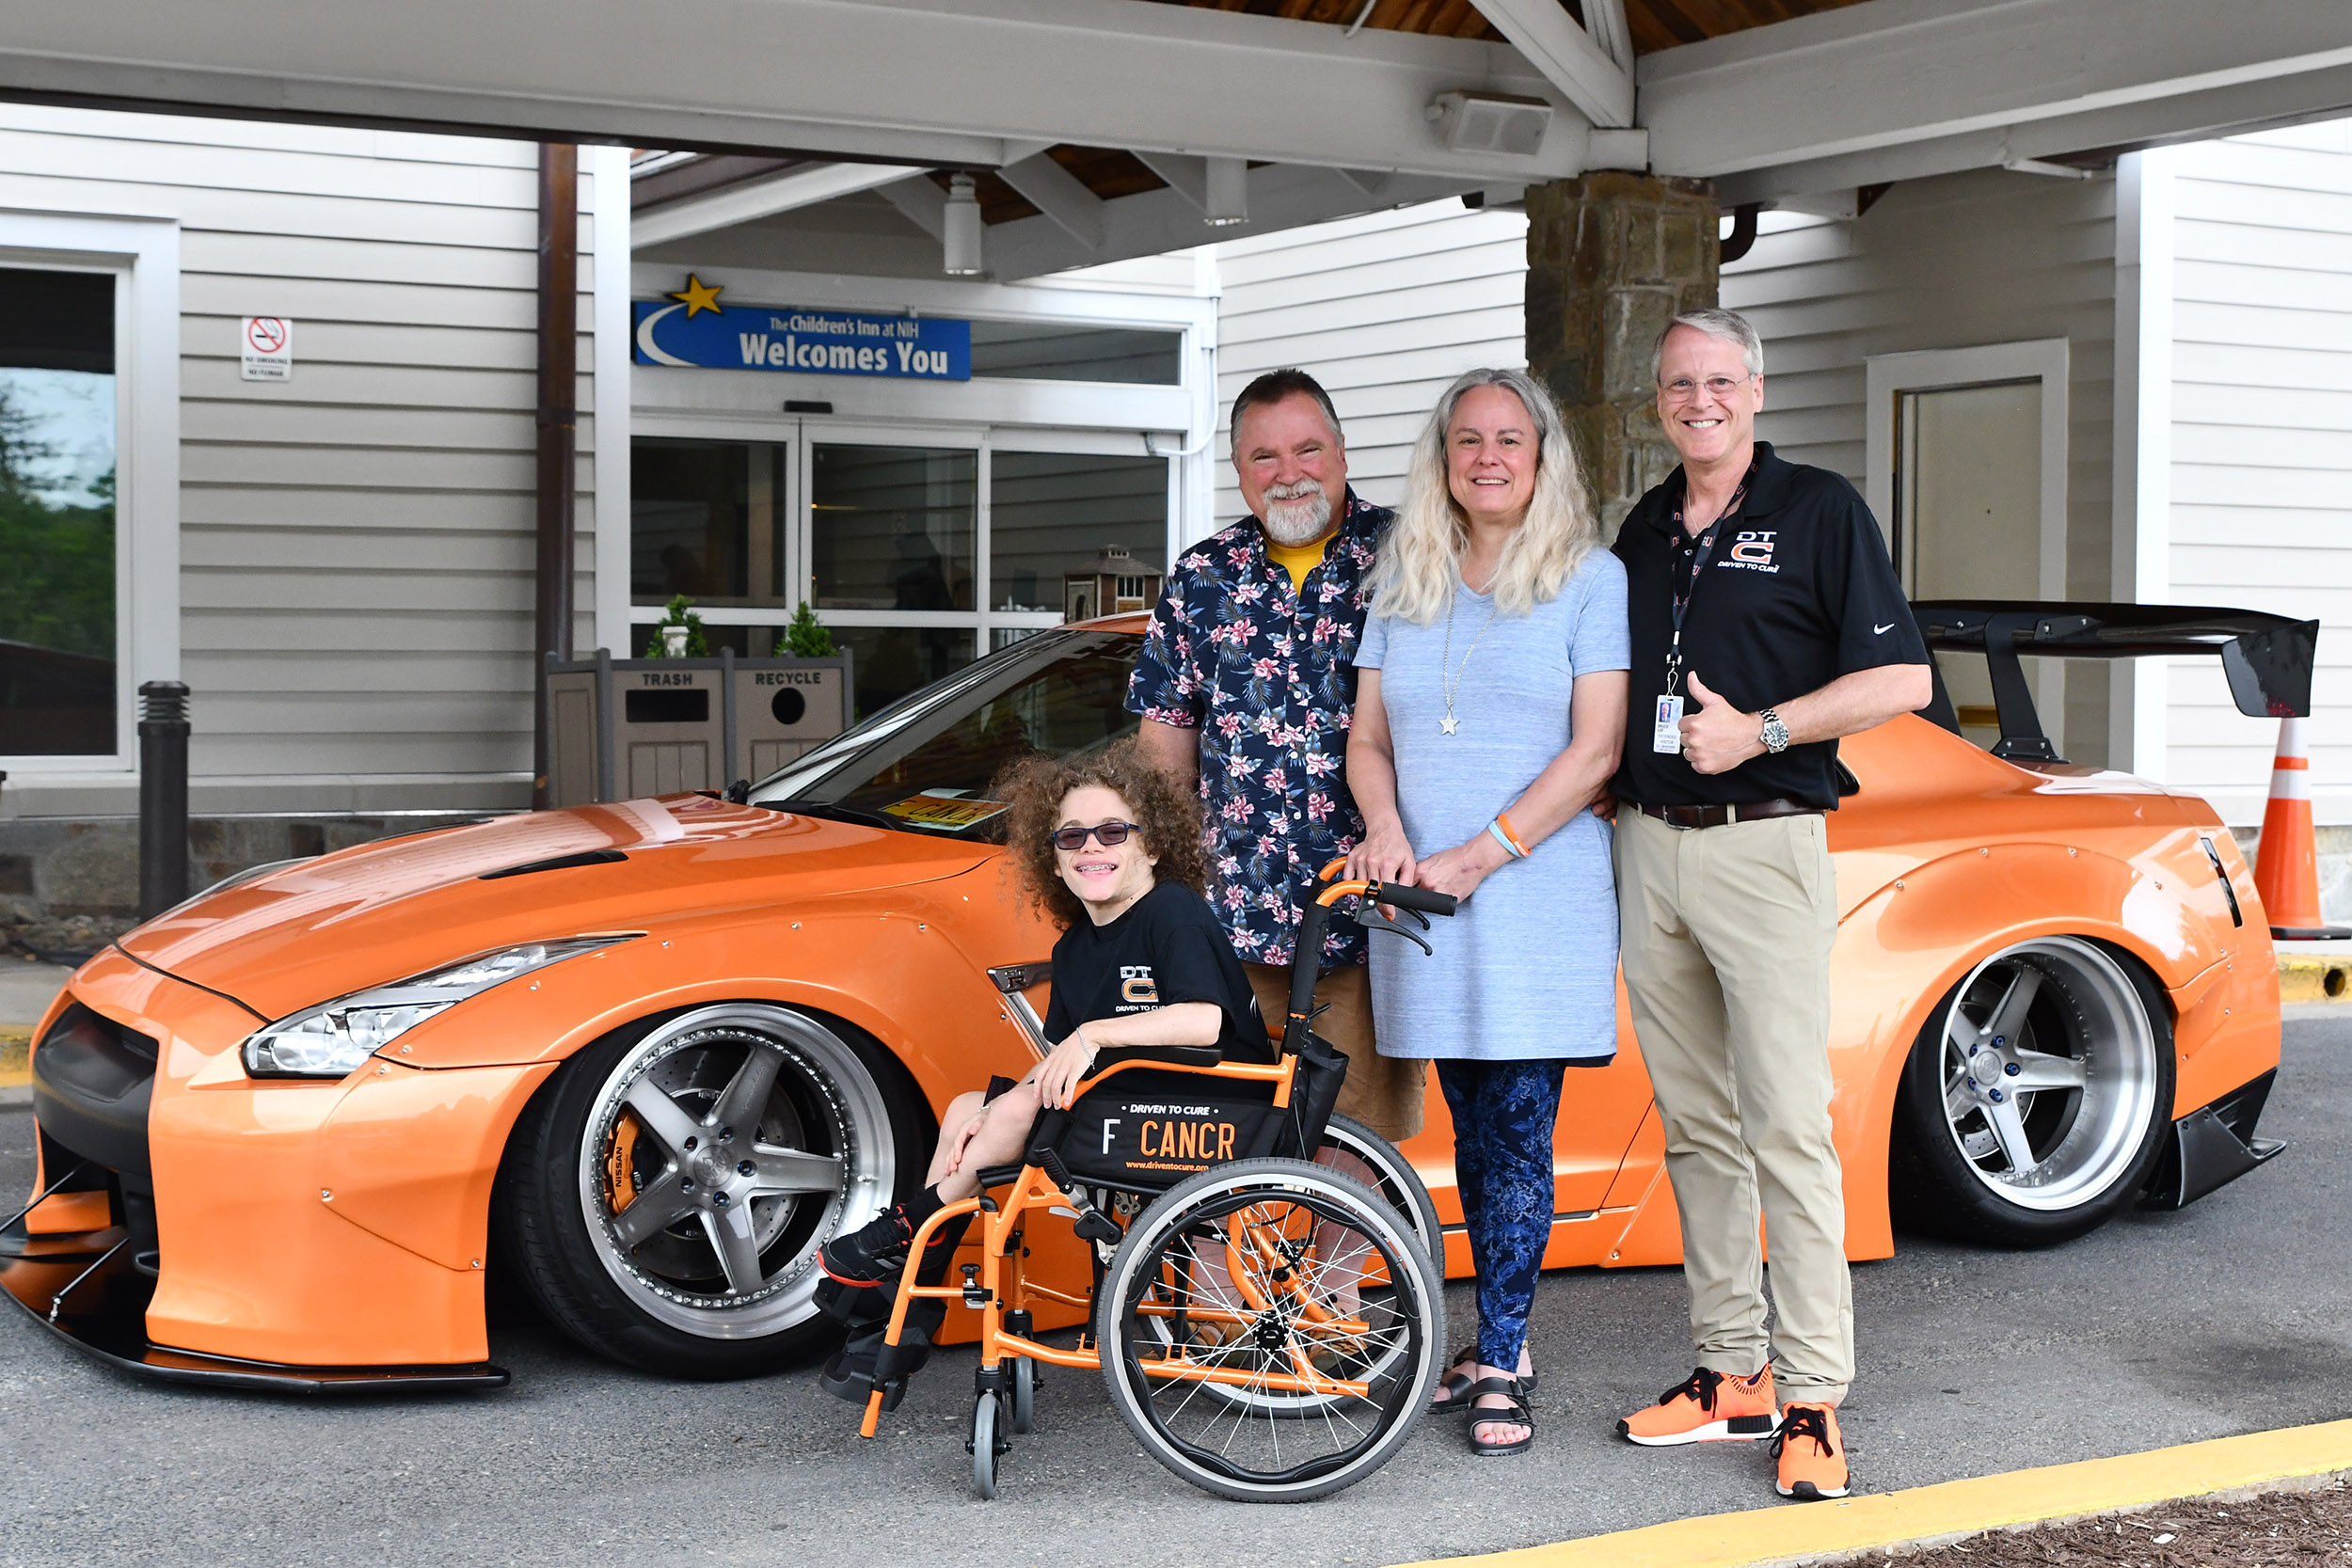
[1382,1092]
[1726,942]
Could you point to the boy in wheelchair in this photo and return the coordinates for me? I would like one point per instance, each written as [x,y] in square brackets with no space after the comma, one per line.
[1110,848]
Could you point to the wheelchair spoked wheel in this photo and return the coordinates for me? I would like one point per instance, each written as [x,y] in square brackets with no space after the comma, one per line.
[1312,1280]
[1353,1149]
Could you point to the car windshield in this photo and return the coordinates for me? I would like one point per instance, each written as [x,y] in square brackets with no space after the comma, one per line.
[924,764]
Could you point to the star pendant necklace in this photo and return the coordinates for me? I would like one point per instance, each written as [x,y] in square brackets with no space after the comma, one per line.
[1450,676]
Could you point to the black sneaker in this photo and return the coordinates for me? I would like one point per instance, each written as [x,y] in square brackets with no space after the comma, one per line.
[874,1252]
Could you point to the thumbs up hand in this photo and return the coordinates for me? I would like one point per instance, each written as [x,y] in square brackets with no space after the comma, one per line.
[1717,737]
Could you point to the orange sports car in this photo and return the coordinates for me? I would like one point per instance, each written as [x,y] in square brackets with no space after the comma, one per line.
[640,1059]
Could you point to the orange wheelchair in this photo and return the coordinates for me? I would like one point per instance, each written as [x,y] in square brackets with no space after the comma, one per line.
[1270,1327]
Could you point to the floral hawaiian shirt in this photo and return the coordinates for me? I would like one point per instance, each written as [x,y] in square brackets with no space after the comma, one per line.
[1266,674]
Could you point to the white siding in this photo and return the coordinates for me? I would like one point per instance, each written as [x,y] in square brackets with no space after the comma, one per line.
[356,545]
[2262,442]
[1383,311]
[1950,263]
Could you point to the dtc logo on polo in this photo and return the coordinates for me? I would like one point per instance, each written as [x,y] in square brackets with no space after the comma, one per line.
[1136,983]
[1752,551]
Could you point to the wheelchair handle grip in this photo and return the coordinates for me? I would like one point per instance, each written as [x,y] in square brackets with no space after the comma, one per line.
[1404,898]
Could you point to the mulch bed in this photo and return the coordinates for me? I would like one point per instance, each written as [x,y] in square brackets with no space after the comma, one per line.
[70,941]
[2277,1529]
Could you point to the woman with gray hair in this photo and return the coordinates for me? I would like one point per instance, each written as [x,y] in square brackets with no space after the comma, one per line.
[1489,715]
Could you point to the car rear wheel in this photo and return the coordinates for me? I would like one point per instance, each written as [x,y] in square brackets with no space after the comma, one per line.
[664,1196]
[2035,1101]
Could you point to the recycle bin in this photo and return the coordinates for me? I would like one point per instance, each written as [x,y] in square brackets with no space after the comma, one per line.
[624,728]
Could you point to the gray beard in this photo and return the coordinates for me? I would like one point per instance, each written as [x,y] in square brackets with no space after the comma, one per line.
[1298,519]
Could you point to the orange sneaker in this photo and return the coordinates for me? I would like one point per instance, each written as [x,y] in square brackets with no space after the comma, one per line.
[1711,1408]
[1812,1454]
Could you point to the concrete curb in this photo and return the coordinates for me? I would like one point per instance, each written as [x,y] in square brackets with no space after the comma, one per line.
[1928,1515]
[2315,979]
[16,1044]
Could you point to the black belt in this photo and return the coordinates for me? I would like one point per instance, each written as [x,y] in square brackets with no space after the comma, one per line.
[1716,816]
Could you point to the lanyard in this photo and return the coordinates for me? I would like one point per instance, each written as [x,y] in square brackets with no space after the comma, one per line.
[1683,594]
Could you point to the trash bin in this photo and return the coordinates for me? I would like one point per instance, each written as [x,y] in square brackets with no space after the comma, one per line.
[624,728]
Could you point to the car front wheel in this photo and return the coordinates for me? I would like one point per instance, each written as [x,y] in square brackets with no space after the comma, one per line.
[665,1195]
[2035,1101]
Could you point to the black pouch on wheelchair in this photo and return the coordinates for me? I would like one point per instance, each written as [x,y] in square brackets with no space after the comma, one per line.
[1145,1129]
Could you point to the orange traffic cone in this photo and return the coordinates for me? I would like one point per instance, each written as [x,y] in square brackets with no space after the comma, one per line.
[2286,866]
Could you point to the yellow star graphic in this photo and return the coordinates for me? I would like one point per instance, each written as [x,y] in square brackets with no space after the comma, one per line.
[698,296]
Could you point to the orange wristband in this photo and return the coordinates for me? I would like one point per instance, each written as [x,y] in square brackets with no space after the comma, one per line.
[1503,819]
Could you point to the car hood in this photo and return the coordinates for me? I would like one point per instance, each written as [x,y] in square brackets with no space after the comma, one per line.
[322,929]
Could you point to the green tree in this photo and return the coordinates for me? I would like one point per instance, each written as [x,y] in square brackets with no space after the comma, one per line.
[59,591]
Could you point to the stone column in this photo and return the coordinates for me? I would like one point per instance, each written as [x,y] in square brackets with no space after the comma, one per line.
[1611,258]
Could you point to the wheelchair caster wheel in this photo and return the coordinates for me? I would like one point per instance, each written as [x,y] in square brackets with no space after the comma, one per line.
[986,1445]
[1023,1401]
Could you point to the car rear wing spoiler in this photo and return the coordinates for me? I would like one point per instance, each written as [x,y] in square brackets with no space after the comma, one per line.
[2267,658]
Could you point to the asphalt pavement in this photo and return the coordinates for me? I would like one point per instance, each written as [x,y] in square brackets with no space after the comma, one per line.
[2229,1317]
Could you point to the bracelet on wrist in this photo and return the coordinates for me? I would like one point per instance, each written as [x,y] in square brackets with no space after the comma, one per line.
[1518,844]
[1496,831]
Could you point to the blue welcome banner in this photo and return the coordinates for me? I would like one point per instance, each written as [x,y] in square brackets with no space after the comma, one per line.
[821,343]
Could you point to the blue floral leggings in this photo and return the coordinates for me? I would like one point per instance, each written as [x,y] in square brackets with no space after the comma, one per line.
[1502,1118]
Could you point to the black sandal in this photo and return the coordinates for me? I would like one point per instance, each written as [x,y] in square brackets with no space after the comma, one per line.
[1512,1413]
[1453,1383]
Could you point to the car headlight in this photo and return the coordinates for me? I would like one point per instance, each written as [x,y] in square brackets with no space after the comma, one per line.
[333,1039]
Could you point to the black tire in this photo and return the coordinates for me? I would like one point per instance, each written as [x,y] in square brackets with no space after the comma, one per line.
[986,1444]
[846,1088]
[1250,1449]
[1392,1177]
[1022,1373]
[2092,1112]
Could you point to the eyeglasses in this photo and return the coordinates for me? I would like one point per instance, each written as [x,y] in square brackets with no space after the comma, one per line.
[1683,388]
[1109,834]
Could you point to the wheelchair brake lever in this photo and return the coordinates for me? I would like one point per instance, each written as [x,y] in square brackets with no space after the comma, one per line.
[1371,919]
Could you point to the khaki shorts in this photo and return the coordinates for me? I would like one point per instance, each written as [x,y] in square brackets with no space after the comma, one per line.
[1384,1093]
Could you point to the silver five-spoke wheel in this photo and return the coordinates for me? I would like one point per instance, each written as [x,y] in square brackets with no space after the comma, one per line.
[2045,1076]
[667,1192]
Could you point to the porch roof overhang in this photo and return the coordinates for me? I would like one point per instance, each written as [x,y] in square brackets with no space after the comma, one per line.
[1093,125]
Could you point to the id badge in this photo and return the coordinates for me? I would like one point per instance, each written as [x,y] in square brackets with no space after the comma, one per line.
[1666,735]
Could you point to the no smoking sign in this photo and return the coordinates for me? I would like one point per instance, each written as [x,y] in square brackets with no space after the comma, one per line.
[267,346]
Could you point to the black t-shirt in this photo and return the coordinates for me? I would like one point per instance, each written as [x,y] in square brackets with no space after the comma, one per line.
[1797,591]
[1168,947]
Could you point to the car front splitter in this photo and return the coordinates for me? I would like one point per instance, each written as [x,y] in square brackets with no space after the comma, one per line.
[85,1289]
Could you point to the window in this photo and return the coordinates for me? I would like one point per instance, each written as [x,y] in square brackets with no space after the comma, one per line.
[893,528]
[1040,351]
[58,470]
[706,520]
[1059,521]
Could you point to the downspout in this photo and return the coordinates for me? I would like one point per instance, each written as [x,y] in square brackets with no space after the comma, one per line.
[557,423]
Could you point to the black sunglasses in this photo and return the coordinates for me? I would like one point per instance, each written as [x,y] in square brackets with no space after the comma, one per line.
[1109,834]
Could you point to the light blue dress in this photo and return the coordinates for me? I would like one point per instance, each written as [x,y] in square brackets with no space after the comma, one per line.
[1528,968]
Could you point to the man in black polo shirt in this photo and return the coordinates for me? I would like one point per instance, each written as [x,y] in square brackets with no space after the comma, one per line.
[1766,623]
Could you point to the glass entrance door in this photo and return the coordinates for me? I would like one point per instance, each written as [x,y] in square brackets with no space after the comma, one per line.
[918,551]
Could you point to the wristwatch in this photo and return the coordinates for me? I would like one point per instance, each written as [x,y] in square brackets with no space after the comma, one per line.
[1775,732]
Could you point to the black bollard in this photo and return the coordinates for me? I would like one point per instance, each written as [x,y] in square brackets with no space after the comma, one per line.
[163,796]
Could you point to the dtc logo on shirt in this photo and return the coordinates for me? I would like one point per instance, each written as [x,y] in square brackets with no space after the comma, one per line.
[1752,551]
[1136,983]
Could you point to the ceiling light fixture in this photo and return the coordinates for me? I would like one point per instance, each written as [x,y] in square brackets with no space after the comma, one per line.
[1227,195]
[962,240]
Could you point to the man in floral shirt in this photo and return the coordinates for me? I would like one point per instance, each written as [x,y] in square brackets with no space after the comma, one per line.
[1245,687]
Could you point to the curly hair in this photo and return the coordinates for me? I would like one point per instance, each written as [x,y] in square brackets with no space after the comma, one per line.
[1035,786]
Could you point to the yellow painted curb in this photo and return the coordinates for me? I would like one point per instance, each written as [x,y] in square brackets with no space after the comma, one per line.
[1952,1510]
[16,1043]
[2314,980]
